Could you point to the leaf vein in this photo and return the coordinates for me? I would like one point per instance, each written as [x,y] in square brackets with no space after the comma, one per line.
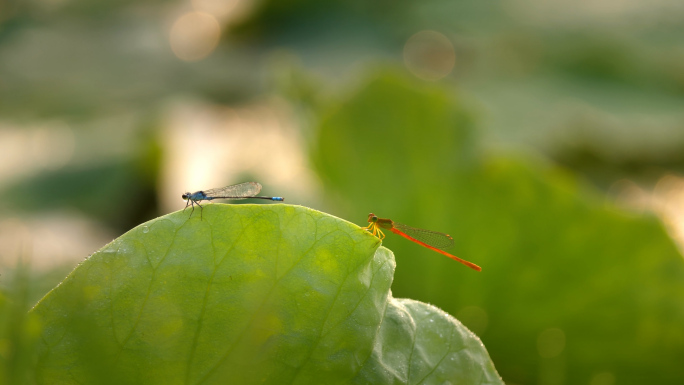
[266,298]
[147,295]
[451,336]
[204,301]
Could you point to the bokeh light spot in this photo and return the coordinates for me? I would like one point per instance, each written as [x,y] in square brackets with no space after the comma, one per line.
[603,378]
[551,342]
[429,55]
[194,36]
[474,317]
[217,8]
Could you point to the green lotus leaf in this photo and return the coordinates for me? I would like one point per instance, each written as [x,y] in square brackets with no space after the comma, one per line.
[273,294]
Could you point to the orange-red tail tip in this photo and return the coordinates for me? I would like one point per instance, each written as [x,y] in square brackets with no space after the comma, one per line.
[469,264]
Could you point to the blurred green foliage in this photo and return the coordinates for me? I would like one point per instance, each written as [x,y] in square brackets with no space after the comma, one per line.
[119,192]
[86,190]
[19,331]
[251,294]
[554,256]
[587,88]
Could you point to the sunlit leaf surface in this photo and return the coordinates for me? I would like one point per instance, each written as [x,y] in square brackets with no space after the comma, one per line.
[250,294]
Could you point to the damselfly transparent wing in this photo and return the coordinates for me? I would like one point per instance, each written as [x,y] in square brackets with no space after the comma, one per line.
[432,238]
[236,191]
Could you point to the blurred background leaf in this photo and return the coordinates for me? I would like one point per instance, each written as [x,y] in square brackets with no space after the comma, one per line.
[554,257]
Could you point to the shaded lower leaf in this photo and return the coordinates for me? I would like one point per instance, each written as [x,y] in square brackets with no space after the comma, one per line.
[251,294]
[421,344]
